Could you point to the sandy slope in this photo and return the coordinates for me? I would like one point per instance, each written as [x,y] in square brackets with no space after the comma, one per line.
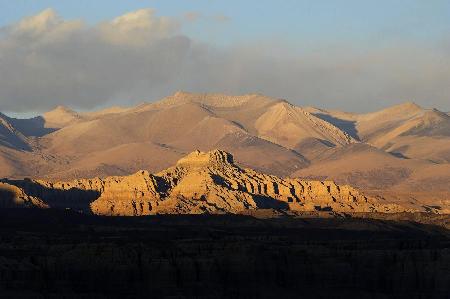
[405,181]
[404,148]
[407,130]
[181,123]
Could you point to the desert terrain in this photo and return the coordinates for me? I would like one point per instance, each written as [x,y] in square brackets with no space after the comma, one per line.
[216,196]
[200,183]
[400,154]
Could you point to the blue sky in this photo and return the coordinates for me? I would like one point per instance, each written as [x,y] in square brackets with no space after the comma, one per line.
[348,54]
[299,22]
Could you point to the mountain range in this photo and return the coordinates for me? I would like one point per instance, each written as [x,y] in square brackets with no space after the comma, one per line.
[401,153]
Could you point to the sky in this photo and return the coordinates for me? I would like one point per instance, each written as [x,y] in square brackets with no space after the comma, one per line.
[349,55]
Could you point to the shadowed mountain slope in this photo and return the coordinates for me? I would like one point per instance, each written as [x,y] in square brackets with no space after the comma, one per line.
[10,136]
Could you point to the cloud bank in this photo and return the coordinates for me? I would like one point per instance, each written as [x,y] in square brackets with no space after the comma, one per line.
[46,61]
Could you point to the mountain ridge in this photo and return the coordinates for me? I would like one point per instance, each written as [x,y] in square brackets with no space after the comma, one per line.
[410,144]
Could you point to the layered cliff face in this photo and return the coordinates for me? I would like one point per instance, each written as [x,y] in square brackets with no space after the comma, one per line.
[204,183]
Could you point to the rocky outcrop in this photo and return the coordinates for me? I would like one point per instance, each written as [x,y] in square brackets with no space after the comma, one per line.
[209,183]
[14,197]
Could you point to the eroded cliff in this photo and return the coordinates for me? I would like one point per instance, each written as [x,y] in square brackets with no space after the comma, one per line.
[202,183]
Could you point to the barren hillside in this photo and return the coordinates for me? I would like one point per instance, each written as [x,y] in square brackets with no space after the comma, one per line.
[400,149]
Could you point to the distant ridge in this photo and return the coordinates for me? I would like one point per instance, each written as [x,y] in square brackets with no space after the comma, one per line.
[215,99]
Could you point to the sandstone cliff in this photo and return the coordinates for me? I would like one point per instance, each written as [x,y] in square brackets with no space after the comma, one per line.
[204,183]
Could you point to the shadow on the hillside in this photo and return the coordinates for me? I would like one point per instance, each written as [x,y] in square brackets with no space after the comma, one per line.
[34,127]
[399,155]
[73,198]
[266,202]
[345,125]
[7,199]
[12,140]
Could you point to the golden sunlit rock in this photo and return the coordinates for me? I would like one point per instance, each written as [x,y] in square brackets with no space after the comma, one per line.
[210,182]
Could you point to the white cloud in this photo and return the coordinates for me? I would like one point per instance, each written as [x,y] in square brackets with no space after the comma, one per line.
[44,27]
[138,28]
[46,61]
[39,23]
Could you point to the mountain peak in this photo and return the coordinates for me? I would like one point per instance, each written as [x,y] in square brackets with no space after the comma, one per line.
[406,107]
[213,99]
[61,108]
[399,111]
[60,116]
[182,93]
[212,158]
[411,105]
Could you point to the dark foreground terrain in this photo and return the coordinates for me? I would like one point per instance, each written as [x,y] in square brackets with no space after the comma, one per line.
[55,254]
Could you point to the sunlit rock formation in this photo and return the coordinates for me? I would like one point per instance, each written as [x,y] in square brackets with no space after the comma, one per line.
[203,183]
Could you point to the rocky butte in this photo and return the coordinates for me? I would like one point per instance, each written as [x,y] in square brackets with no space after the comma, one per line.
[201,182]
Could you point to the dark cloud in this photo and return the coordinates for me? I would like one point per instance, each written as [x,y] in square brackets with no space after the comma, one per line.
[46,61]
